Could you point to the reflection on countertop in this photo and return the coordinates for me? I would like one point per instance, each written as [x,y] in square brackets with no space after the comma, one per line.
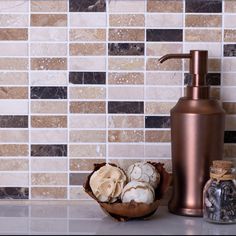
[86,218]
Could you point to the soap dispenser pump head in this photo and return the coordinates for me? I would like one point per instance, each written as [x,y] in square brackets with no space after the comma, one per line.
[198,68]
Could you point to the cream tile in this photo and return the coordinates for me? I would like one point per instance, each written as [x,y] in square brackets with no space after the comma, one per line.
[14,6]
[14,107]
[87,35]
[13,64]
[88,136]
[228,94]
[126,121]
[161,93]
[47,49]
[88,93]
[14,165]
[229,21]
[159,78]
[14,179]
[13,49]
[49,136]
[82,20]
[126,64]
[14,136]
[13,78]
[164,20]
[125,93]
[13,20]
[88,63]
[127,6]
[229,79]
[160,49]
[125,150]
[48,179]
[158,151]
[49,107]
[49,164]
[229,64]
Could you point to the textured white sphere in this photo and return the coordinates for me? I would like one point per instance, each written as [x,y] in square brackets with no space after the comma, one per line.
[143,171]
[141,192]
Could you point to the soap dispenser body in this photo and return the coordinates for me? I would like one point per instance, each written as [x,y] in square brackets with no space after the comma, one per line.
[197,136]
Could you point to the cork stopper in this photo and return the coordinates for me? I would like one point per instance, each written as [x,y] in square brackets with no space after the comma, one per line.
[226,165]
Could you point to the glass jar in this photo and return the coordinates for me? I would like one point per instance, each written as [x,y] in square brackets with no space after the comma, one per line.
[219,194]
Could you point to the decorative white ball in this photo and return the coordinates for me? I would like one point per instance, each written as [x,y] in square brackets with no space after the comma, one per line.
[141,192]
[143,171]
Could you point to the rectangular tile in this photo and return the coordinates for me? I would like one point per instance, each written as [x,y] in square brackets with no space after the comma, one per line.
[84,165]
[228,94]
[126,107]
[126,64]
[48,49]
[14,121]
[158,151]
[157,122]
[159,49]
[48,193]
[48,136]
[87,49]
[45,20]
[14,64]
[13,49]
[49,164]
[48,121]
[48,179]
[125,78]
[87,35]
[211,78]
[87,77]
[230,137]
[229,150]
[230,123]
[14,6]
[87,63]
[49,107]
[125,93]
[229,64]
[204,6]
[164,78]
[13,150]
[126,20]
[230,6]
[159,107]
[126,150]
[126,49]
[48,93]
[48,63]
[153,65]
[88,121]
[12,193]
[13,93]
[203,21]
[126,34]
[14,179]
[78,178]
[88,150]
[48,34]
[230,50]
[14,165]
[125,121]
[14,20]
[214,64]
[49,6]
[228,79]
[85,20]
[164,35]
[162,6]
[127,6]
[49,150]
[98,93]
[155,136]
[125,136]
[229,35]
[77,193]
[160,93]
[88,136]
[88,107]
[14,34]
[87,6]
[14,136]
[203,35]
[14,107]
[14,78]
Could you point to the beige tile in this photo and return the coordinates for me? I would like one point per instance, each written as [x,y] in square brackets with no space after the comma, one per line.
[49,164]
[158,78]
[48,179]
[163,6]
[48,49]
[126,34]
[48,193]
[13,20]
[229,35]
[158,151]
[87,136]
[87,49]
[13,49]
[13,34]
[204,35]
[229,150]
[48,63]
[88,93]
[229,64]
[126,121]
[126,20]
[14,6]
[125,78]
[164,20]
[203,21]
[96,151]
[215,93]
[13,150]
[84,164]
[228,94]
[230,107]
[13,78]
[229,79]
[154,65]
[160,93]
[13,93]
[125,136]
[88,107]
[229,21]
[14,165]
[49,107]
[48,34]
[82,20]
[126,64]
[13,63]
[125,93]
[14,179]
[48,136]
[87,35]
[155,136]
[159,107]
[14,136]
[230,122]
[88,121]
[230,6]
[41,20]
[88,64]
[127,6]
[49,6]
[78,193]
[48,121]
[159,49]
[126,150]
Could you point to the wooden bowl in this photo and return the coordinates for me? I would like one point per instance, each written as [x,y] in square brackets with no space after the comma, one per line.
[133,210]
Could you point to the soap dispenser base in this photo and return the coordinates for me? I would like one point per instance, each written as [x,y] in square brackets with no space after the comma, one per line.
[186,212]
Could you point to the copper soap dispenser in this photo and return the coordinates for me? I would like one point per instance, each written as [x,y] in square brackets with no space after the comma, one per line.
[197,137]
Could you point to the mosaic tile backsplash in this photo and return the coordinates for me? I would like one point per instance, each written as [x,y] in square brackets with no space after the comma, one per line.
[80,83]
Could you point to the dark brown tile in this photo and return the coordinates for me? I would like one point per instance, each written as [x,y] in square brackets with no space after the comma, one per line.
[126,49]
[87,5]
[87,77]
[11,193]
[230,50]
[164,35]
[48,93]
[13,121]
[213,6]
[49,150]
[157,122]
[126,107]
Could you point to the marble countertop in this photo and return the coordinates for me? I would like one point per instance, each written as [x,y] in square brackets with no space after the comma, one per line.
[86,218]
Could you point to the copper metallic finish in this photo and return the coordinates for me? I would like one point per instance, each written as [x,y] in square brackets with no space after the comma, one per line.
[197,134]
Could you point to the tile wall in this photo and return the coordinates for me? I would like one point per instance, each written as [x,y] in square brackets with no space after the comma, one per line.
[80,83]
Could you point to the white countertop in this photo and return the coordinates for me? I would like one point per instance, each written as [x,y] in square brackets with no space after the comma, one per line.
[86,218]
